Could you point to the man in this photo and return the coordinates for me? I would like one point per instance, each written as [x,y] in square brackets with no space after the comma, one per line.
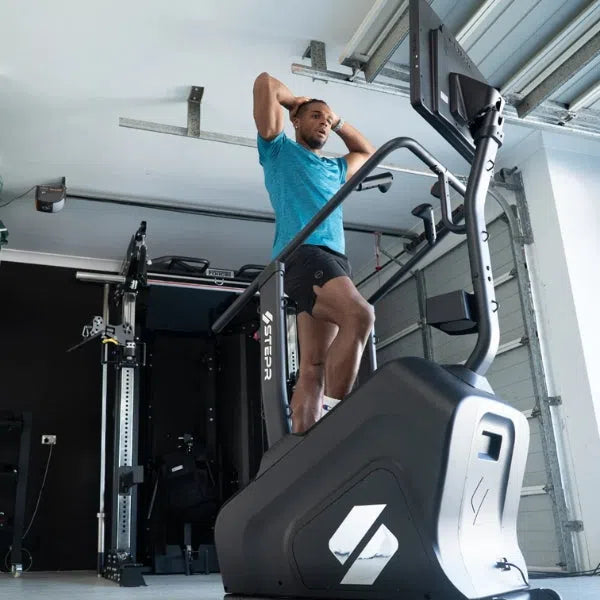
[334,320]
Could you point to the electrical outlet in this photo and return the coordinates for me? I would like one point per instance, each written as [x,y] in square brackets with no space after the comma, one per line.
[49,440]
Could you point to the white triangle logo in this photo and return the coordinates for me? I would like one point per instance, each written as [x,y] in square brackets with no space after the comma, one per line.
[377,552]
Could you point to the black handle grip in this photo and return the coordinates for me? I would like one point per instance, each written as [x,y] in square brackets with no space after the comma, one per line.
[425,212]
[382,181]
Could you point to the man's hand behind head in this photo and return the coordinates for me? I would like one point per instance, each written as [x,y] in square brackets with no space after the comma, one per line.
[298,102]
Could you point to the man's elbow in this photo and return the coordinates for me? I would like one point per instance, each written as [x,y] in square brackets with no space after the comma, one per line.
[262,80]
[368,151]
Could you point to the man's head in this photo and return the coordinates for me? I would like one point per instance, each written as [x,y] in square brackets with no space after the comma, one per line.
[313,121]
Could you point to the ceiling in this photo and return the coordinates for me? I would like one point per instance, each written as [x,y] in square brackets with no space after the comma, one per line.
[69,70]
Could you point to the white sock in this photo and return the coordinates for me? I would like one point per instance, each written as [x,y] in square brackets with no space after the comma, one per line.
[329,403]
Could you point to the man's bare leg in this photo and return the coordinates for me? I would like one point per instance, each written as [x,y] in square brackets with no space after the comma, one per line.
[315,338]
[339,302]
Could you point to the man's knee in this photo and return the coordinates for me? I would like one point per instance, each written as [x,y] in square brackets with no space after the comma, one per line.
[313,372]
[360,317]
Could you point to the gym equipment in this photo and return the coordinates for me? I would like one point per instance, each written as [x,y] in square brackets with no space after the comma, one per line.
[188,490]
[409,487]
[180,468]
[15,430]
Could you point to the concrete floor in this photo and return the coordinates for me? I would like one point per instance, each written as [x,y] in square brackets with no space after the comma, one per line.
[75,585]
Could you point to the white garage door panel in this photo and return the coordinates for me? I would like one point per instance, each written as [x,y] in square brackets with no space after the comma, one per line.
[398,310]
[411,345]
[537,535]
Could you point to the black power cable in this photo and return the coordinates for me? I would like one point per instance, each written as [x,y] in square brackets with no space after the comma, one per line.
[506,566]
[37,505]
[554,575]
[17,197]
[7,568]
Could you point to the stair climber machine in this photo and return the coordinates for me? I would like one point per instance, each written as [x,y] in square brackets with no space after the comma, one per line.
[410,487]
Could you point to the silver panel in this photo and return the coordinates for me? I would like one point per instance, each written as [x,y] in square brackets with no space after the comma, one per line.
[103,432]
[293,356]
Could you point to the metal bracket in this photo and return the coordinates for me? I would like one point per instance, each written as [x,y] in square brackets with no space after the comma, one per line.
[316,53]
[514,178]
[120,335]
[568,116]
[128,477]
[574,526]
[130,355]
[553,400]
[194,101]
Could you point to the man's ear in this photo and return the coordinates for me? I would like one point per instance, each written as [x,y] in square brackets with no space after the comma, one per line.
[295,122]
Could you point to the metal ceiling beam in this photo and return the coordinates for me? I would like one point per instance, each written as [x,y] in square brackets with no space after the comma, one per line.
[549,116]
[315,73]
[560,76]
[362,30]
[572,37]
[358,81]
[235,140]
[474,24]
[374,60]
[389,44]
[586,99]
[316,53]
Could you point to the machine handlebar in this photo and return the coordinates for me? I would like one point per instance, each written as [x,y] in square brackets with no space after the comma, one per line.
[371,164]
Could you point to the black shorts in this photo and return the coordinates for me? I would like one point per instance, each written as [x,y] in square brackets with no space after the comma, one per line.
[312,265]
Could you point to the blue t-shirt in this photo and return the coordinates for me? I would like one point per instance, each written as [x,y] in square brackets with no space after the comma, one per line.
[300,183]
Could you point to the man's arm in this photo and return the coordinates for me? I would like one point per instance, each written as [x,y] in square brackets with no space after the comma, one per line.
[360,149]
[269,96]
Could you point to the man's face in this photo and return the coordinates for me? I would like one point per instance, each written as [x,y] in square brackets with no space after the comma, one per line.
[314,124]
